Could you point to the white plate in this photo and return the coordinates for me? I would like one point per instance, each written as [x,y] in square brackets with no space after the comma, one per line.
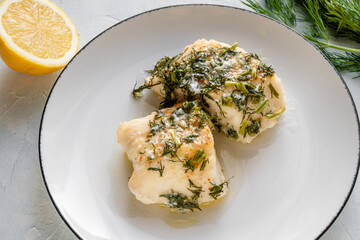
[290,183]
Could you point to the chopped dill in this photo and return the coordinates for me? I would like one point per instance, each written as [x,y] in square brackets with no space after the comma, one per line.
[277,112]
[217,190]
[262,106]
[160,169]
[231,133]
[156,127]
[180,201]
[170,148]
[188,164]
[253,128]
[137,92]
[204,164]
[273,91]
[196,191]
[191,163]
[216,121]
[199,156]
[159,114]
[226,101]
[191,138]
[243,127]
[150,158]
[266,70]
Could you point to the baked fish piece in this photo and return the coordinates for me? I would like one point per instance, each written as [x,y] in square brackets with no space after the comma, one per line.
[173,156]
[242,94]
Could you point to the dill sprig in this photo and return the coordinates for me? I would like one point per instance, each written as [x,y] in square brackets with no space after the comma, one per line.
[344,62]
[317,26]
[217,189]
[283,11]
[343,17]
[160,169]
[196,190]
[324,18]
[180,201]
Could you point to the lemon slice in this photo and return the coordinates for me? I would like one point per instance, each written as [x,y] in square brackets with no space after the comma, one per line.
[36,37]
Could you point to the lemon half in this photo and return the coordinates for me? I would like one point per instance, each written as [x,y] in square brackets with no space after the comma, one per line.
[36,36]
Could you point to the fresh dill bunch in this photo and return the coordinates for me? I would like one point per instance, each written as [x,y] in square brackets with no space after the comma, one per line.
[325,44]
[340,18]
[318,21]
[343,17]
[281,10]
[316,26]
[348,61]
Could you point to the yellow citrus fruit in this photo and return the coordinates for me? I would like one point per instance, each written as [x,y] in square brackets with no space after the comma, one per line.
[36,37]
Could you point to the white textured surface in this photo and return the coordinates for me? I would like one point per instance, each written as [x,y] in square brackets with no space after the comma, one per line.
[26,211]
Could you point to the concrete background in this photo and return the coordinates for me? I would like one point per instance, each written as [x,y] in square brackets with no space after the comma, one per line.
[26,211]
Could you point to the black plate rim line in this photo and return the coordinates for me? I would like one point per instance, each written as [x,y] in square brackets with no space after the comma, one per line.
[195,5]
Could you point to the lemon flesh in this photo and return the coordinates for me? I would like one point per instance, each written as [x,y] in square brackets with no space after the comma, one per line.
[36,37]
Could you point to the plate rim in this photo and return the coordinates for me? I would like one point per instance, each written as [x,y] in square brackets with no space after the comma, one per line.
[196,5]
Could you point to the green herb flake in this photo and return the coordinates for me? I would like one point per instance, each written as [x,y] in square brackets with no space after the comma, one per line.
[196,191]
[191,138]
[156,127]
[188,164]
[180,201]
[254,72]
[203,165]
[262,106]
[277,112]
[230,84]
[254,128]
[216,120]
[150,158]
[227,101]
[234,46]
[188,107]
[199,156]
[137,92]
[175,138]
[159,114]
[243,127]
[247,71]
[160,169]
[273,91]
[243,88]
[266,70]
[217,190]
[231,133]
[170,148]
